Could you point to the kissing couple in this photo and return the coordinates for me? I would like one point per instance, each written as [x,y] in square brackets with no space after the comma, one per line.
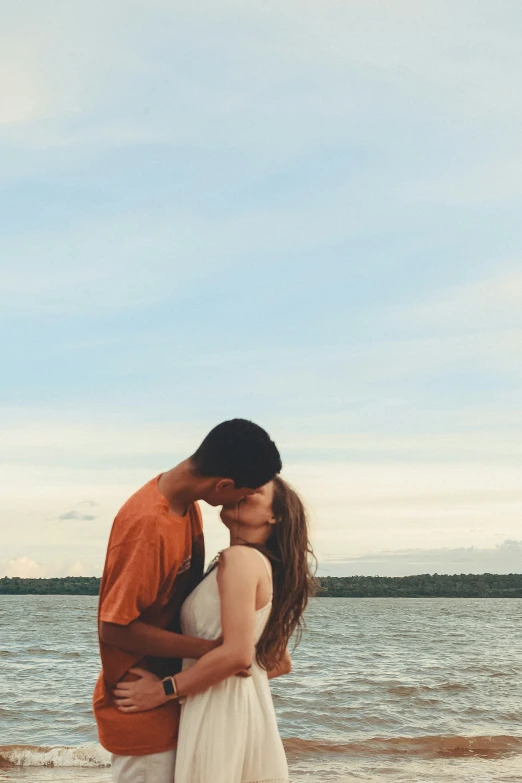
[183,695]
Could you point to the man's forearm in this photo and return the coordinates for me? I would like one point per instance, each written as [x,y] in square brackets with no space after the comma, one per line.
[144,639]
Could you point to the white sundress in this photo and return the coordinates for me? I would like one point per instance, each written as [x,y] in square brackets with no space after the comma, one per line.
[228,734]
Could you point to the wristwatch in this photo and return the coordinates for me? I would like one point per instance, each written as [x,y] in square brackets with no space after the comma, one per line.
[169,686]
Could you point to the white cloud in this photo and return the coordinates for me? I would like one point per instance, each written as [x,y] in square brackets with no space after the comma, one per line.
[283,81]
[74,514]
[477,306]
[357,508]
[63,438]
[77,569]
[402,43]
[362,508]
[281,85]
[22,95]
[48,567]
[86,511]
[505,558]
[469,435]
[485,184]
[24,567]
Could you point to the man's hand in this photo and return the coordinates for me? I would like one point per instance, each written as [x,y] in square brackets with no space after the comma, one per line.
[146,693]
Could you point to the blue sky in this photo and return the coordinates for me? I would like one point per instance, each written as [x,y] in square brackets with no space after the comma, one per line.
[307,214]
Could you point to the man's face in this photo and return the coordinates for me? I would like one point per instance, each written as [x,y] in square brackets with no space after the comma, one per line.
[253,511]
[225,492]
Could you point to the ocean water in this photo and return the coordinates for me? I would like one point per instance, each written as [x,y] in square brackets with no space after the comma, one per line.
[395,690]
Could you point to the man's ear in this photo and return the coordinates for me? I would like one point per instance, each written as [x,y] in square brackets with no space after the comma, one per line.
[223,485]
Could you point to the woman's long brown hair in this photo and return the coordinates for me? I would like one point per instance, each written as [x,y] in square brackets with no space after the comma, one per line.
[290,552]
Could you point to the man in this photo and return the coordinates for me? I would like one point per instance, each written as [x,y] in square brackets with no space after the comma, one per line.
[154,559]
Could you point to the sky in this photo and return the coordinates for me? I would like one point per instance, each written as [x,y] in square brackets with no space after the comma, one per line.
[303,213]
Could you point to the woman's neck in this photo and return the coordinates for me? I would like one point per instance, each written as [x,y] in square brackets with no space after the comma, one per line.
[248,536]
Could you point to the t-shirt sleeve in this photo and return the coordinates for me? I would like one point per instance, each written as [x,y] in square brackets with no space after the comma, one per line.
[132,580]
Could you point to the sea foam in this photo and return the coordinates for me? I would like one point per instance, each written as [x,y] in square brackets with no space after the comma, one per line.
[88,755]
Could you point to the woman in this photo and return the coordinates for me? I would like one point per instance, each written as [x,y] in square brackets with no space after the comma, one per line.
[255,598]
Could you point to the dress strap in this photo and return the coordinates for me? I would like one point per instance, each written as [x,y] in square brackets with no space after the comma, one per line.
[268,566]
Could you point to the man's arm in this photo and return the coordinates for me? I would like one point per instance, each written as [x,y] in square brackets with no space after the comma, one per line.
[237,581]
[132,582]
[144,639]
[147,691]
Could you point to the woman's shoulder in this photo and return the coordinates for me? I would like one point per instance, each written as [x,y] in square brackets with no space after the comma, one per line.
[243,570]
[240,556]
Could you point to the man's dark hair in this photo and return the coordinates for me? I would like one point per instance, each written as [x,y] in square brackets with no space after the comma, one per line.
[240,450]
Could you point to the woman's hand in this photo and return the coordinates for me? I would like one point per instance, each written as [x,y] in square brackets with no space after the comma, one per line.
[146,693]
[282,666]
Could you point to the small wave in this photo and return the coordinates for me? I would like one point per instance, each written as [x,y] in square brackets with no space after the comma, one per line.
[366,681]
[510,671]
[89,755]
[404,690]
[40,651]
[93,755]
[412,690]
[431,746]
[45,651]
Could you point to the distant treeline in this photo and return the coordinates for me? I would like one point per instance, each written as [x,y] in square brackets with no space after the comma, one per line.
[68,585]
[422,586]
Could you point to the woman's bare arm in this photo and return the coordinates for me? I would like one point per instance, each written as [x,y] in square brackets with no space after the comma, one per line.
[237,580]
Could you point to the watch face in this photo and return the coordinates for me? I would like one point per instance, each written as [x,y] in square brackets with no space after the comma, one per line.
[168,687]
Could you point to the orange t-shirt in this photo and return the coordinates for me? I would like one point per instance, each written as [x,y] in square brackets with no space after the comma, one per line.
[154,560]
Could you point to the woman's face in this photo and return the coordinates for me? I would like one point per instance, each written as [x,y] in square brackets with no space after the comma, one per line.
[253,511]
